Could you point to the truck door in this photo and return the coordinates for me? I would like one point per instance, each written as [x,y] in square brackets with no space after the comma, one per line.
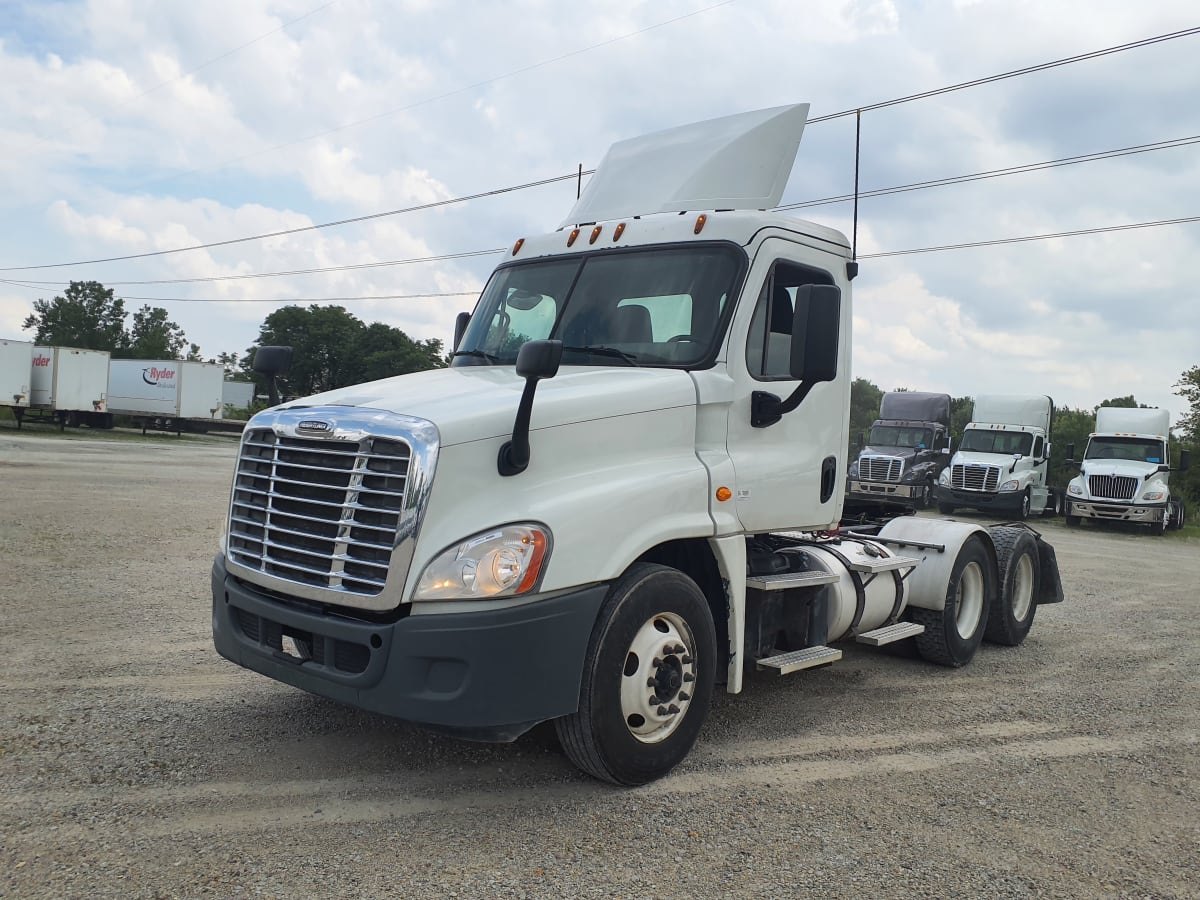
[791,473]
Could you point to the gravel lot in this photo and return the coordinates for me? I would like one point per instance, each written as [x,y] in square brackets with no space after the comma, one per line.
[134,762]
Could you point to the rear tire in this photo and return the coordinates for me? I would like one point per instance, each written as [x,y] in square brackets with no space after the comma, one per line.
[635,673]
[1015,604]
[952,635]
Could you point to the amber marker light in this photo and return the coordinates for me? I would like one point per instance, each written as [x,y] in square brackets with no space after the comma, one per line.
[700,220]
[537,543]
[517,246]
[574,234]
[724,493]
[595,234]
[620,231]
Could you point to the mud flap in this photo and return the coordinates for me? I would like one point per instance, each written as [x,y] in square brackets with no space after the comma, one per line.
[1051,590]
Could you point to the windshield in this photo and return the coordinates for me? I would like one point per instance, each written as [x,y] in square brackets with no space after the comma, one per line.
[899,436]
[1136,449]
[988,441]
[658,307]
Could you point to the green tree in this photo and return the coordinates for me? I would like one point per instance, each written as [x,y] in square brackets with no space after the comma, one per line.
[865,397]
[1188,387]
[85,315]
[961,409]
[1123,403]
[1068,428]
[153,336]
[1187,484]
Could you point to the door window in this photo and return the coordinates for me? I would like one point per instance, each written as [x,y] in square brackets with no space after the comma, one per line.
[769,344]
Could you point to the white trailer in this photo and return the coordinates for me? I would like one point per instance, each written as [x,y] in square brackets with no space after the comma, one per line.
[165,393]
[16,358]
[1123,476]
[71,385]
[238,394]
[639,504]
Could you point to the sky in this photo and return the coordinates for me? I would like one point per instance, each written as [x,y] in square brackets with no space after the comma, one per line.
[136,126]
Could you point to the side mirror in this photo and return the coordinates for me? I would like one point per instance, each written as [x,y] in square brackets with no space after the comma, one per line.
[815,331]
[1185,458]
[946,450]
[1070,454]
[535,360]
[272,362]
[460,328]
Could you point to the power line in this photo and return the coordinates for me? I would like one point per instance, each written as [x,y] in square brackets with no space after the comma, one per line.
[1031,237]
[287,231]
[997,173]
[215,59]
[422,296]
[461,90]
[1010,74]
[1013,73]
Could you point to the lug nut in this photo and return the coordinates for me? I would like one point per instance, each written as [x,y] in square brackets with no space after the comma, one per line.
[688,677]
[687,660]
[656,662]
[650,682]
[672,709]
[679,648]
[684,696]
[662,710]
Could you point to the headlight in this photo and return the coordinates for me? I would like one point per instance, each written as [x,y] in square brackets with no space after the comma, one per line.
[1010,485]
[854,469]
[944,477]
[1075,489]
[503,562]
[1154,495]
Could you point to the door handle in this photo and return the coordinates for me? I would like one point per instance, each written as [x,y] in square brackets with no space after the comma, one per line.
[828,477]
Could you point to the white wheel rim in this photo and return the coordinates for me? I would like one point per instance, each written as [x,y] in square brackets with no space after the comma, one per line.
[1022,589]
[969,602]
[659,678]
[1025,505]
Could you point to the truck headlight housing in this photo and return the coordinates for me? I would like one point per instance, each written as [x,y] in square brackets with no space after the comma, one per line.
[1154,495]
[1010,485]
[502,562]
[1075,489]
[944,476]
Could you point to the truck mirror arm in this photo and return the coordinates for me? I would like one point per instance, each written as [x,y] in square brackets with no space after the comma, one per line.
[766,408]
[535,360]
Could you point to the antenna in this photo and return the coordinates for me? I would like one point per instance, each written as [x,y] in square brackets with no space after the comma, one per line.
[857,144]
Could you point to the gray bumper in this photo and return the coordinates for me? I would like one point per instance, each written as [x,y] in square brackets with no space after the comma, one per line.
[488,675]
[1111,511]
[882,490]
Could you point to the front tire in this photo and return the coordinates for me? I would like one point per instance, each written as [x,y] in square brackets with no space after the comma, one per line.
[1015,604]
[953,634]
[1026,503]
[647,678]
[946,509]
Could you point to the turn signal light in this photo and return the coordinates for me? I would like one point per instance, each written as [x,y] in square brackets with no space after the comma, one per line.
[724,493]
[595,234]
[620,231]
[700,220]
[574,234]
[517,246]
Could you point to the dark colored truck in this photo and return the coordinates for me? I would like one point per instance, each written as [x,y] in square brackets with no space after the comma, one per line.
[905,451]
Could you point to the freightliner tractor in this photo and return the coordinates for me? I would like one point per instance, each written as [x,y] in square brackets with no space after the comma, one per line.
[905,451]
[1124,471]
[625,491]
[1002,464]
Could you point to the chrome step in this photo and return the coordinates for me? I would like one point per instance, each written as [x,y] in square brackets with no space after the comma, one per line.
[787,580]
[875,564]
[795,660]
[889,634]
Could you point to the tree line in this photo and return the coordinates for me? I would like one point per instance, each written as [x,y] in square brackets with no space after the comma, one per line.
[332,347]
[1068,426]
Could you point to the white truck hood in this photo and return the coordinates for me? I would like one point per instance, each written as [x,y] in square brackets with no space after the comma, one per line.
[475,403]
[1129,467]
[968,457]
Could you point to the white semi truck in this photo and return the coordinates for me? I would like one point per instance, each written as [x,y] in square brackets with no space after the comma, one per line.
[1002,464]
[1123,476]
[625,491]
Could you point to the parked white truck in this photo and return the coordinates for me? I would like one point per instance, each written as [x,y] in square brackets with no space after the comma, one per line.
[905,451]
[16,358]
[625,490]
[70,384]
[1002,464]
[1125,469]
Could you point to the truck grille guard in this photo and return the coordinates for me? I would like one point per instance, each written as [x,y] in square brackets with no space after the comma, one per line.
[880,468]
[1113,487]
[327,501]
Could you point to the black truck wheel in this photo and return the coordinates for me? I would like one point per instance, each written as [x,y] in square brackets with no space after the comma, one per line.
[1014,605]
[924,496]
[952,635]
[647,679]
[946,509]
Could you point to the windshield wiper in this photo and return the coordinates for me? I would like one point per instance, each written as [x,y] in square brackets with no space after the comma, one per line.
[478,354]
[629,358]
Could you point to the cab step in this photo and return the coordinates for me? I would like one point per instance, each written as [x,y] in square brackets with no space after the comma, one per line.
[795,660]
[789,580]
[889,634]
[877,564]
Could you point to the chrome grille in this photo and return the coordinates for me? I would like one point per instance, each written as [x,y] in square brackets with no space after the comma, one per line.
[974,477]
[318,512]
[1113,487]
[880,468]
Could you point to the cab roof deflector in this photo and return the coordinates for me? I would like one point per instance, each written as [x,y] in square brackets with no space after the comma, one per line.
[735,162]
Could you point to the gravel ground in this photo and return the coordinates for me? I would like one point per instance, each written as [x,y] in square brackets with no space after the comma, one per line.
[134,762]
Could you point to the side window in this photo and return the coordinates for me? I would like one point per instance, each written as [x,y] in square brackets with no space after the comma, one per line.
[769,343]
[1037,447]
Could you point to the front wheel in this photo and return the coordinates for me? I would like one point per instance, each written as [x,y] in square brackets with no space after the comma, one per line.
[946,509]
[953,634]
[647,678]
[1026,502]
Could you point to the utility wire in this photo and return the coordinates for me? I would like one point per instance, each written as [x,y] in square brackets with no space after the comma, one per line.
[227,53]
[1031,237]
[422,296]
[1011,74]
[1014,73]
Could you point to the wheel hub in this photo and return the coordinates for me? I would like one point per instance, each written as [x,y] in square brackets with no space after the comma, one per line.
[656,684]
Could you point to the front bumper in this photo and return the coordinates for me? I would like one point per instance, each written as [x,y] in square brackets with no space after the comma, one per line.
[999,501]
[489,675]
[1116,511]
[882,490]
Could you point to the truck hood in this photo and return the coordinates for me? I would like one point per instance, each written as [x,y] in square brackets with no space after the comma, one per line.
[970,457]
[905,453]
[474,403]
[1129,467]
